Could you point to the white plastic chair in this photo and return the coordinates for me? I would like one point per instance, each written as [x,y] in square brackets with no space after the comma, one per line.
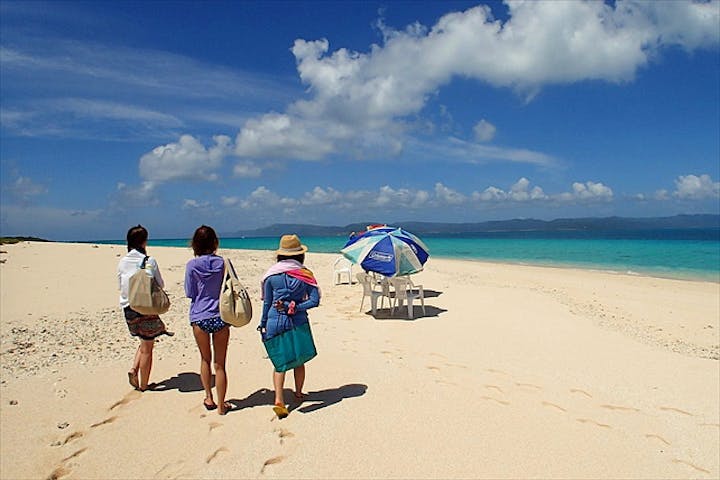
[342,266]
[368,285]
[405,294]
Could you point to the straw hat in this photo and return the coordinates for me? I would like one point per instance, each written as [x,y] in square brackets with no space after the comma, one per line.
[290,245]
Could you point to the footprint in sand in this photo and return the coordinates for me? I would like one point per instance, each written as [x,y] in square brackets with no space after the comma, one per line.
[598,424]
[499,372]
[553,405]
[134,395]
[620,408]
[63,470]
[677,410]
[213,455]
[433,368]
[501,402]
[582,392]
[72,437]
[283,434]
[528,385]
[214,425]
[494,387]
[169,474]
[691,465]
[272,461]
[653,435]
[104,422]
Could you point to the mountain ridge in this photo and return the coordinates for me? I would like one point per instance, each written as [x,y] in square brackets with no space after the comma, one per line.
[684,221]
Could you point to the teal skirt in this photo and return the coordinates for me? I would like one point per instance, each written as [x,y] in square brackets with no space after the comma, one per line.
[291,348]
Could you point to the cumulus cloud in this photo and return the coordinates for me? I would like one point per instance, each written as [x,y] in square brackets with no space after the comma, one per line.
[128,196]
[695,187]
[448,196]
[191,204]
[520,191]
[187,159]
[353,94]
[484,131]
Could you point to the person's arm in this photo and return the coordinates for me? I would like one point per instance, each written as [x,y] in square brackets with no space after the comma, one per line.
[267,302]
[190,287]
[312,301]
[156,272]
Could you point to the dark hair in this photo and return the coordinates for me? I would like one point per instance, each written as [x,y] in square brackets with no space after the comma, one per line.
[205,241]
[136,237]
[300,258]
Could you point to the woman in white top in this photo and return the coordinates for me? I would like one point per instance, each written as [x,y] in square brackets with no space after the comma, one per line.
[146,327]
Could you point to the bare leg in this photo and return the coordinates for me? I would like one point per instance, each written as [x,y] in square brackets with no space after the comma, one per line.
[145,363]
[279,383]
[203,342]
[299,374]
[220,342]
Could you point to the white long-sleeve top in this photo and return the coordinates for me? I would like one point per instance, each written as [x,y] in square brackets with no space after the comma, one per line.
[127,266]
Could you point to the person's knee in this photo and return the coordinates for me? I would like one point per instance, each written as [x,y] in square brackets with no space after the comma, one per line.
[219,366]
[146,347]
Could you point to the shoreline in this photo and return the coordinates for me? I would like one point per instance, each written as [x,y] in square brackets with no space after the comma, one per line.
[668,274]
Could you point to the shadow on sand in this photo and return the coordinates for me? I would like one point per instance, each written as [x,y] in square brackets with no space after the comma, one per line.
[183,382]
[320,399]
[401,313]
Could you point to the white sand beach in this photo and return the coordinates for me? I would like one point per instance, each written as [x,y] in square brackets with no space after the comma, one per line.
[512,372]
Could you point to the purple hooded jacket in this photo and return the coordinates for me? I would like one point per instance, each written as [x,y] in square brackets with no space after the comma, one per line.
[203,279]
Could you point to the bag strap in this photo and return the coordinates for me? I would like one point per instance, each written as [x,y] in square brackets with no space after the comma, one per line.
[142,265]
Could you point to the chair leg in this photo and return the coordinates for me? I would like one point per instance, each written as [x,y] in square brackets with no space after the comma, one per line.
[362,302]
[410,308]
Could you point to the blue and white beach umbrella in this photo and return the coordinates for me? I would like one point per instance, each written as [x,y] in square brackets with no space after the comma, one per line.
[388,251]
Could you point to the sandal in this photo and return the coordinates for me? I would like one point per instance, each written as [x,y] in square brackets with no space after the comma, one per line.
[227,407]
[281,411]
[133,378]
[209,406]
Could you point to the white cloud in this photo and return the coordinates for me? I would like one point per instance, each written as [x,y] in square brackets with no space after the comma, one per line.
[484,131]
[191,204]
[695,187]
[127,196]
[520,191]
[448,196]
[354,94]
[247,170]
[262,198]
[229,201]
[661,194]
[281,136]
[588,191]
[321,196]
[186,159]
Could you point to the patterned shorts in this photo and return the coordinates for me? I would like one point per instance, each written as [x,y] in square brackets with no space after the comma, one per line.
[211,325]
[146,327]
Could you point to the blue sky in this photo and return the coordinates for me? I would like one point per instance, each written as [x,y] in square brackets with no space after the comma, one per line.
[240,114]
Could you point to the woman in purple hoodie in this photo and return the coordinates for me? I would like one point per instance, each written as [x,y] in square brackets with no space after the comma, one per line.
[203,279]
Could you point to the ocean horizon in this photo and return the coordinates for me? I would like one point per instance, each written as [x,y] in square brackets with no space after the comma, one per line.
[689,254]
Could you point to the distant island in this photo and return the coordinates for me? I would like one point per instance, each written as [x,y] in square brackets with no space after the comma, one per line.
[12,240]
[702,221]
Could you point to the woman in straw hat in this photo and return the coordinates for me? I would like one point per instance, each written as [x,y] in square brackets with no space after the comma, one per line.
[288,290]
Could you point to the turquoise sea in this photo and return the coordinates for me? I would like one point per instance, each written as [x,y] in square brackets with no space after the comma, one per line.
[684,254]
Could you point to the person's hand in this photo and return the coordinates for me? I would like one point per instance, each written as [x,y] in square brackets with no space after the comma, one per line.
[280,306]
